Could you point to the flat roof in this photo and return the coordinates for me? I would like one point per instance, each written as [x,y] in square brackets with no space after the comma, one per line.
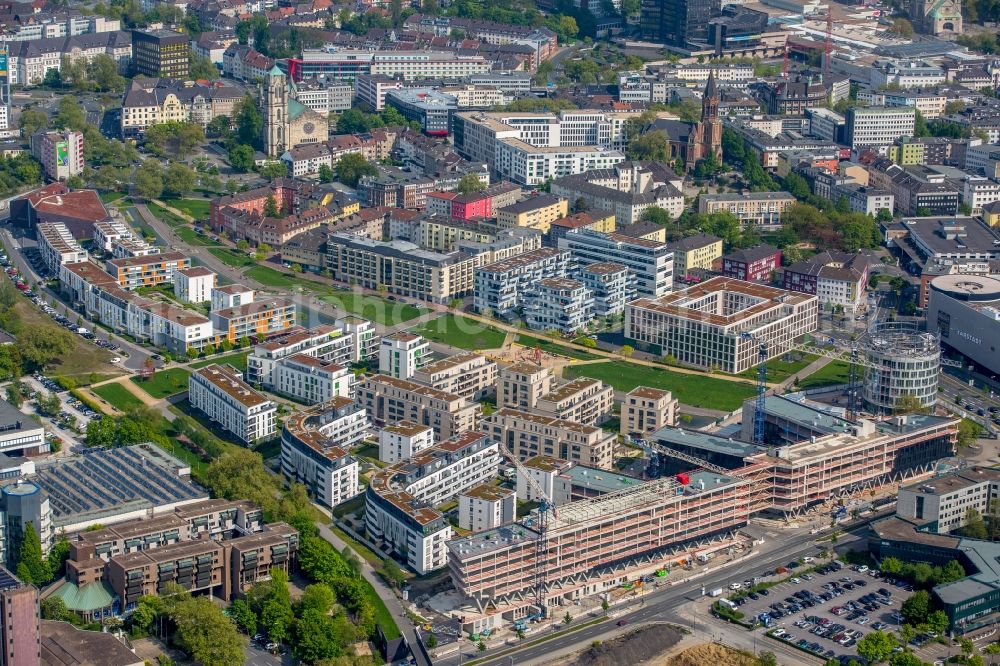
[489,493]
[706,441]
[599,479]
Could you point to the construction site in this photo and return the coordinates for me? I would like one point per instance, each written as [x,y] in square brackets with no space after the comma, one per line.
[698,489]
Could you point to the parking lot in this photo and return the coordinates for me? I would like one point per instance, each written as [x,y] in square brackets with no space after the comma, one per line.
[828,611]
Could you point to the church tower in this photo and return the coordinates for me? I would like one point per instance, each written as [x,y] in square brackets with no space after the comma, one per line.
[274,99]
[711,127]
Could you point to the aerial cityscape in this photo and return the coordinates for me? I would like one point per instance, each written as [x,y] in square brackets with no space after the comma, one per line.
[576,333]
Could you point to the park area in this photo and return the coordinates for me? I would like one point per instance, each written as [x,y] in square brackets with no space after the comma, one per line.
[238,360]
[164,383]
[831,374]
[696,390]
[117,396]
[461,332]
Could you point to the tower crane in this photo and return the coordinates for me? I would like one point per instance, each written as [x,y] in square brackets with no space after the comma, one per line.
[545,505]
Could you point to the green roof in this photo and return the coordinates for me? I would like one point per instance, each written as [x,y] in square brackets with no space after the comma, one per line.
[295,108]
[91,597]
[275,71]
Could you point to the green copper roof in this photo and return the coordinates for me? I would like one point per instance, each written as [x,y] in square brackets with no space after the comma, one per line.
[91,597]
[295,108]
[275,71]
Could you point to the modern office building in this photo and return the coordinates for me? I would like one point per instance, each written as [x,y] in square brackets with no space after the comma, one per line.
[347,65]
[20,436]
[650,262]
[721,323]
[390,400]
[426,106]
[902,361]
[645,410]
[528,434]
[160,53]
[400,500]
[220,393]
[678,22]
[315,446]
[875,126]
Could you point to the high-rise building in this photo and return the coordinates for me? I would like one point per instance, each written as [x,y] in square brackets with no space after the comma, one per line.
[161,53]
[20,626]
[61,153]
[677,22]
[4,89]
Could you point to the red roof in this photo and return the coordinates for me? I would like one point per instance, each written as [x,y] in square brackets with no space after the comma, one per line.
[57,199]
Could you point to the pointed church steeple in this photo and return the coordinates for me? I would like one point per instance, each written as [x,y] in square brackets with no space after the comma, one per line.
[710,100]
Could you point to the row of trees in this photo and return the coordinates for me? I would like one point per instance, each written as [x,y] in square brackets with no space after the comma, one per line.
[153,181]
[921,574]
[138,424]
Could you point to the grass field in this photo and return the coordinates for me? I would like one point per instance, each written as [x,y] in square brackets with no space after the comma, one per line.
[550,347]
[230,257]
[117,396]
[82,359]
[111,197]
[831,374]
[778,370]
[377,309]
[164,383]
[191,237]
[165,215]
[461,332]
[695,390]
[196,208]
[237,360]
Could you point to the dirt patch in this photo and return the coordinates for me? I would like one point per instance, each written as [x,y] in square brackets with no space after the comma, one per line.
[708,653]
[641,646]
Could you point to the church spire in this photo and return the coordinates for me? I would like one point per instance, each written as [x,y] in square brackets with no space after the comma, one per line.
[710,100]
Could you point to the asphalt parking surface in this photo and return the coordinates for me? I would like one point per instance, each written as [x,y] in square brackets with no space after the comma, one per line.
[844,586]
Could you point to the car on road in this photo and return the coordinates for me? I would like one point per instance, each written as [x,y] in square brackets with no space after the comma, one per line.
[116,359]
[621,623]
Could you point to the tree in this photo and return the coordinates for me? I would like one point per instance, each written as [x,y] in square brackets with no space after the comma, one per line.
[178,180]
[273,169]
[270,207]
[32,567]
[39,345]
[32,120]
[917,607]
[975,526]
[767,659]
[241,159]
[905,659]
[938,621]
[470,182]
[101,432]
[968,432]
[318,597]
[102,70]
[203,631]
[244,616]
[249,123]
[325,173]
[432,641]
[481,646]
[70,115]
[876,646]
[650,146]
[200,67]
[567,618]
[352,167]
[149,180]
[909,404]
[656,215]
[14,395]
[627,351]
[144,614]
[262,251]
[902,27]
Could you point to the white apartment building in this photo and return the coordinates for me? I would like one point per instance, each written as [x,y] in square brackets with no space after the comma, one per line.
[486,507]
[978,191]
[402,354]
[878,126]
[346,341]
[231,296]
[469,374]
[500,287]
[61,153]
[57,246]
[541,472]
[650,262]
[312,380]
[120,240]
[315,445]
[221,394]
[704,325]
[581,400]
[558,303]
[194,285]
[610,284]
[390,400]
[398,513]
[403,440]
[324,98]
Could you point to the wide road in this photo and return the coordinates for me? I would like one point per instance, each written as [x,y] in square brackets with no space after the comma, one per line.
[670,604]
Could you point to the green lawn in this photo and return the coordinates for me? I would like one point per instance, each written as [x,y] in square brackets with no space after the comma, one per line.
[778,370]
[380,310]
[196,208]
[111,197]
[165,215]
[164,383]
[550,347]
[461,332]
[117,396]
[230,257]
[238,360]
[831,374]
[191,237]
[695,390]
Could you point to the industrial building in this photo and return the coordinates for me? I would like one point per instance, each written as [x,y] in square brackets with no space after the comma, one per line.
[721,323]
